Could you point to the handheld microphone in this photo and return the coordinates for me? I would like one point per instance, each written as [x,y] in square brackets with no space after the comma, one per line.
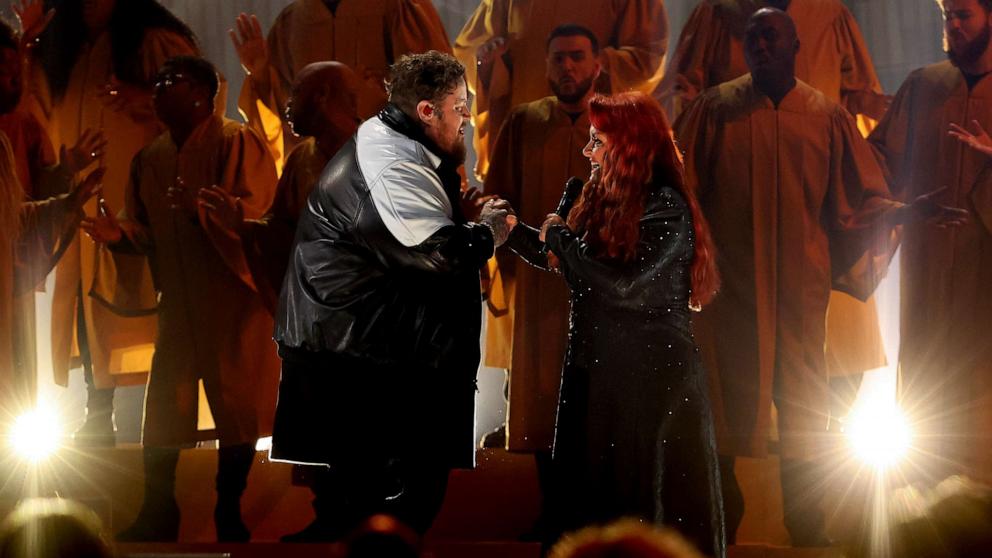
[573,189]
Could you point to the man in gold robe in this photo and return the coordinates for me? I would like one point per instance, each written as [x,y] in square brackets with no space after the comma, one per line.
[795,199]
[323,113]
[945,359]
[539,147]
[188,193]
[834,60]
[97,61]
[499,44]
[365,35]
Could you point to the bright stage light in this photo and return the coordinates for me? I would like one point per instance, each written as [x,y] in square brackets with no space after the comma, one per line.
[879,433]
[36,434]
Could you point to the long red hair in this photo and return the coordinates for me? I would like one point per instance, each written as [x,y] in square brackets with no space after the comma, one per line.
[639,149]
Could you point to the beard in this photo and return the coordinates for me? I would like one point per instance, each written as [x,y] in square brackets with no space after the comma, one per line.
[581,88]
[972,51]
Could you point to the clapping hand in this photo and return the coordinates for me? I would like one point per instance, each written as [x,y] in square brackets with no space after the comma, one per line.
[250,44]
[925,208]
[33,18]
[225,208]
[977,138]
[90,147]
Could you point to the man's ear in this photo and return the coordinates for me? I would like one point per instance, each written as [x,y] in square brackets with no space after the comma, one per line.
[425,111]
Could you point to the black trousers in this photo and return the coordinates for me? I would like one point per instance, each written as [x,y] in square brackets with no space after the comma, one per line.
[388,434]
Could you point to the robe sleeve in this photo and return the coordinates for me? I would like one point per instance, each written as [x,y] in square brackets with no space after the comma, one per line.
[47,227]
[416,27]
[249,173]
[890,140]
[686,75]
[695,131]
[503,179]
[634,61]
[262,100]
[862,242]
[120,280]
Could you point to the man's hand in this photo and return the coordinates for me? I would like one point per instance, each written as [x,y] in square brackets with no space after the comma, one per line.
[924,208]
[33,18]
[472,200]
[250,44]
[91,147]
[222,206]
[487,53]
[976,138]
[552,220]
[132,100]
[869,103]
[498,216]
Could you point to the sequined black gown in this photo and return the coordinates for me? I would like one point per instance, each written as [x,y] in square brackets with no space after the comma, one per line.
[634,435]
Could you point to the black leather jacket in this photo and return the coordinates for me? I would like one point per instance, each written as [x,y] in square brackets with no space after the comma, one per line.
[352,287]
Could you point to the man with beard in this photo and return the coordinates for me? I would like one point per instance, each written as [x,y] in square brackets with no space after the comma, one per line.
[499,44]
[945,358]
[539,147]
[797,203]
[379,317]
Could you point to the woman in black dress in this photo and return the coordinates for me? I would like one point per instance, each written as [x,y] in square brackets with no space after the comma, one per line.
[634,435]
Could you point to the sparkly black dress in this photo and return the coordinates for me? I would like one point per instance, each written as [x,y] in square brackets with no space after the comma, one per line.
[634,435]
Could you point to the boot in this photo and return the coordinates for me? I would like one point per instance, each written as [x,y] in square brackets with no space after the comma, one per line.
[233,465]
[158,520]
[98,429]
[330,523]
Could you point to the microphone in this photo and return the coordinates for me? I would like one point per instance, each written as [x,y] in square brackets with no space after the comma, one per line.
[573,188]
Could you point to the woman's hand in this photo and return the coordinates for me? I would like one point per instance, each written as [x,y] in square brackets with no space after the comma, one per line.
[225,208]
[552,220]
[87,188]
[977,138]
[90,147]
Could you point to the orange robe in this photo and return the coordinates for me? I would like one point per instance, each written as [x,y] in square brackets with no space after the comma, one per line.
[213,326]
[946,357]
[537,150]
[269,240]
[832,58]
[119,346]
[27,253]
[366,35]
[632,35]
[792,195]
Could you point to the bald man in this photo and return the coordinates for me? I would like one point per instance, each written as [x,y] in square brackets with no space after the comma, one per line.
[322,111]
[797,204]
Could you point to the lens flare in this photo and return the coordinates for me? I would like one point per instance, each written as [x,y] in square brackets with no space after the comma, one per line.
[879,434]
[36,434]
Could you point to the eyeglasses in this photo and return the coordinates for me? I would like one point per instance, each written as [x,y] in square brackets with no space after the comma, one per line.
[169,79]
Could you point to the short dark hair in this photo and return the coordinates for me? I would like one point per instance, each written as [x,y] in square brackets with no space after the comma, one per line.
[200,71]
[576,30]
[423,77]
[9,37]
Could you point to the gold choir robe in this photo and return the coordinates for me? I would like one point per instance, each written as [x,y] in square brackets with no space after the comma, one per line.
[832,58]
[538,149]
[632,35]
[119,346]
[269,240]
[792,195]
[366,35]
[945,359]
[212,323]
